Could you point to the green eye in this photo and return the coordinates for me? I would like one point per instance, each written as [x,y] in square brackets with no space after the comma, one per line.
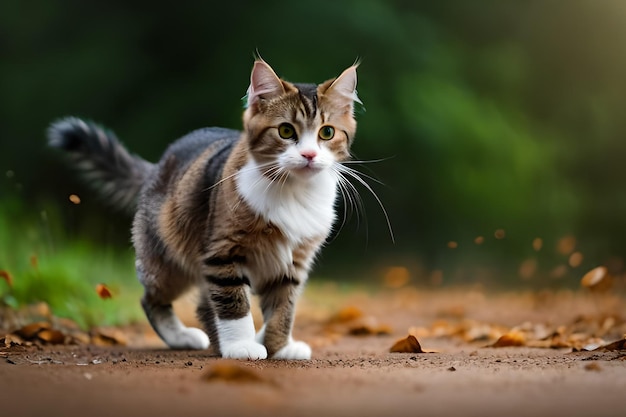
[327,132]
[286,131]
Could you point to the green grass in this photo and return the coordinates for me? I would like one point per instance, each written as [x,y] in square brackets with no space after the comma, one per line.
[47,266]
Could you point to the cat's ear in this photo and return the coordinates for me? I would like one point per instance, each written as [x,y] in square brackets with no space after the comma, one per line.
[264,83]
[342,90]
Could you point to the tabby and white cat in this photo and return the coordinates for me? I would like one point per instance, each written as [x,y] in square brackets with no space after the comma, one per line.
[232,212]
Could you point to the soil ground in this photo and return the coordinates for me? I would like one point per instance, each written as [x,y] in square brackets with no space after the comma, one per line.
[352,372]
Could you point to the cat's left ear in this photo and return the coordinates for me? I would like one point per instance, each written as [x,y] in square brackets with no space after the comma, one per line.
[342,90]
[264,83]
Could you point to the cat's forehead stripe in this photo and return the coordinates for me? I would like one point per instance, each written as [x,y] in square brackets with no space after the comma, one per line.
[308,97]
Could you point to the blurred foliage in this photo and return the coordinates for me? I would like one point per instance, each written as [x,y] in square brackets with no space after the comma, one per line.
[45,263]
[488,115]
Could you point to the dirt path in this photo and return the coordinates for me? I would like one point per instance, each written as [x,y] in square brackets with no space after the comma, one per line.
[352,372]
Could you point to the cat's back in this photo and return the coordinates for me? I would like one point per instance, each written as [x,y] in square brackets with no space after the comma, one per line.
[204,151]
[186,149]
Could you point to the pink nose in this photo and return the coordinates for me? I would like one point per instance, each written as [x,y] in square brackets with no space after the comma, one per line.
[309,154]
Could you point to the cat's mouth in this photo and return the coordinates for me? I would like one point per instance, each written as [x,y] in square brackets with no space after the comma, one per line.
[307,170]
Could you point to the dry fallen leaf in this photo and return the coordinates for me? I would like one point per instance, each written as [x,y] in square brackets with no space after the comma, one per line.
[30,331]
[53,336]
[231,371]
[75,199]
[366,330]
[7,277]
[103,291]
[566,245]
[598,279]
[619,345]
[397,277]
[593,366]
[513,338]
[346,314]
[79,338]
[107,337]
[407,345]
[576,259]
[11,340]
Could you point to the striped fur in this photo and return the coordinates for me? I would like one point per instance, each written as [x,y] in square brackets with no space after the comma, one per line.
[101,159]
[232,212]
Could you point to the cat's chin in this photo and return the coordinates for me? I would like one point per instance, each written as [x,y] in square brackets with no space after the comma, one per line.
[306,172]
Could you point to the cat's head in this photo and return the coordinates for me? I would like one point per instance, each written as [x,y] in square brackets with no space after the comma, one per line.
[302,128]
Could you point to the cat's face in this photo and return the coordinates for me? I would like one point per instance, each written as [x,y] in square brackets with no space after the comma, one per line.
[299,129]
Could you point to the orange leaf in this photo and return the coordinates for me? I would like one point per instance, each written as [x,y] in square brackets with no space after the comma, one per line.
[346,314]
[107,336]
[397,277]
[52,336]
[231,371]
[510,339]
[7,277]
[366,330]
[407,345]
[32,330]
[103,291]
[593,366]
[74,199]
[597,279]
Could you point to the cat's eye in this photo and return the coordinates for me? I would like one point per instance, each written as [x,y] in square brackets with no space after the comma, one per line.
[327,132]
[287,131]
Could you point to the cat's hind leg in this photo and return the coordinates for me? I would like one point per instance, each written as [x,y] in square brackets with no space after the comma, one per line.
[171,330]
[157,304]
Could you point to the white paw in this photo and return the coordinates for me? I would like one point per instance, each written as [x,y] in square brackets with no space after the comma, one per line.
[294,350]
[244,349]
[260,336]
[188,338]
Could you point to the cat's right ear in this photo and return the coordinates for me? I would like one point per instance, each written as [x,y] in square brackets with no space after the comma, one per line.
[264,83]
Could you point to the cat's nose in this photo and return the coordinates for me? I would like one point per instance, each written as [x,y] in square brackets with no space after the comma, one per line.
[309,154]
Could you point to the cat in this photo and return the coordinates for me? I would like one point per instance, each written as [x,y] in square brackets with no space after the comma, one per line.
[232,212]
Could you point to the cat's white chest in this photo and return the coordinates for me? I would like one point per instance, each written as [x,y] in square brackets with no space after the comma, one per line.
[300,209]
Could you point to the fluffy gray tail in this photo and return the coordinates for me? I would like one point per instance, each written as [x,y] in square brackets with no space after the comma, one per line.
[101,159]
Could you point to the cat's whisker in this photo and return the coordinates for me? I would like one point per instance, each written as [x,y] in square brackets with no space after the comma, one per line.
[283,175]
[368,161]
[274,178]
[275,174]
[356,201]
[357,176]
[267,164]
[351,198]
[272,169]
[362,174]
[345,210]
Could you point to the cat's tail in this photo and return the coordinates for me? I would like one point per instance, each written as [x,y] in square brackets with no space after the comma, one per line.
[101,159]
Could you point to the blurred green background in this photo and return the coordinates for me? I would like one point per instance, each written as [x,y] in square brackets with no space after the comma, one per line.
[500,125]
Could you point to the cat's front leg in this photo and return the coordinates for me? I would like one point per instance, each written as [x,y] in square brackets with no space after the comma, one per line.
[225,311]
[278,299]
